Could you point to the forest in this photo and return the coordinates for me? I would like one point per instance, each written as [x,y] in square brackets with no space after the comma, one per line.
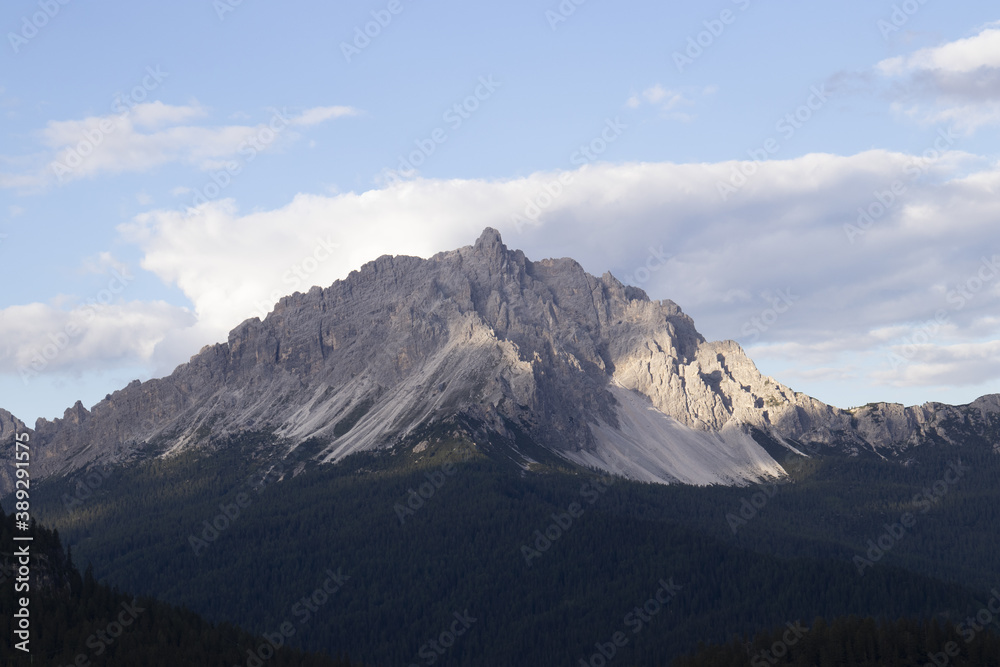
[216,532]
[78,622]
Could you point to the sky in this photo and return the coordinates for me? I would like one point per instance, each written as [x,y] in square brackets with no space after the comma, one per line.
[817,181]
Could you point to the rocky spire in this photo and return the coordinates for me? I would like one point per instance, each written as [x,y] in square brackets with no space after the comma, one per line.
[489,242]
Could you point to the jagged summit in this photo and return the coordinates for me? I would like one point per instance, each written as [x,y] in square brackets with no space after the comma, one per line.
[9,425]
[489,242]
[519,351]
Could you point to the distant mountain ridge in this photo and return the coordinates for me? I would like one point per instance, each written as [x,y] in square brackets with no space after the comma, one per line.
[524,352]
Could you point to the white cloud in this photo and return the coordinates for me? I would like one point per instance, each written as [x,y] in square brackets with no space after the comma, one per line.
[966,118]
[956,82]
[851,302]
[27,182]
[102,262]
[961,56]
[942,365]
[668,101]
[150,135]
[206,251]
[655,93]
[157,114]
[828,304]
[41,339]
[318,115]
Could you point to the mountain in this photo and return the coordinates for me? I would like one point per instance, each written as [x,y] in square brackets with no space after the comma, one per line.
[436,429]
[537,361]
[9,425]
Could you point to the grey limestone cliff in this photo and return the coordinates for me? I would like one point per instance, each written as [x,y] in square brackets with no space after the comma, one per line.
[588,368]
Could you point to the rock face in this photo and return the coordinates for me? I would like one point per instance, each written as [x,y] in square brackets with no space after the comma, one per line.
[587,368]
[9,427]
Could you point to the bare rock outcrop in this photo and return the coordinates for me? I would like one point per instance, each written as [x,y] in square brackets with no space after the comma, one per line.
[586,367]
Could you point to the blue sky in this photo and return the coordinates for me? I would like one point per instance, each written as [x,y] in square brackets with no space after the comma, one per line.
[168,171]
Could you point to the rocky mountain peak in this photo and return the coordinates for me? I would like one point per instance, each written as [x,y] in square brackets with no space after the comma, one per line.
[518,351]
[489,243]
[9,426]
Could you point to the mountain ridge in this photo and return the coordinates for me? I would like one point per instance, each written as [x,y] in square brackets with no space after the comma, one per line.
[589,368]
